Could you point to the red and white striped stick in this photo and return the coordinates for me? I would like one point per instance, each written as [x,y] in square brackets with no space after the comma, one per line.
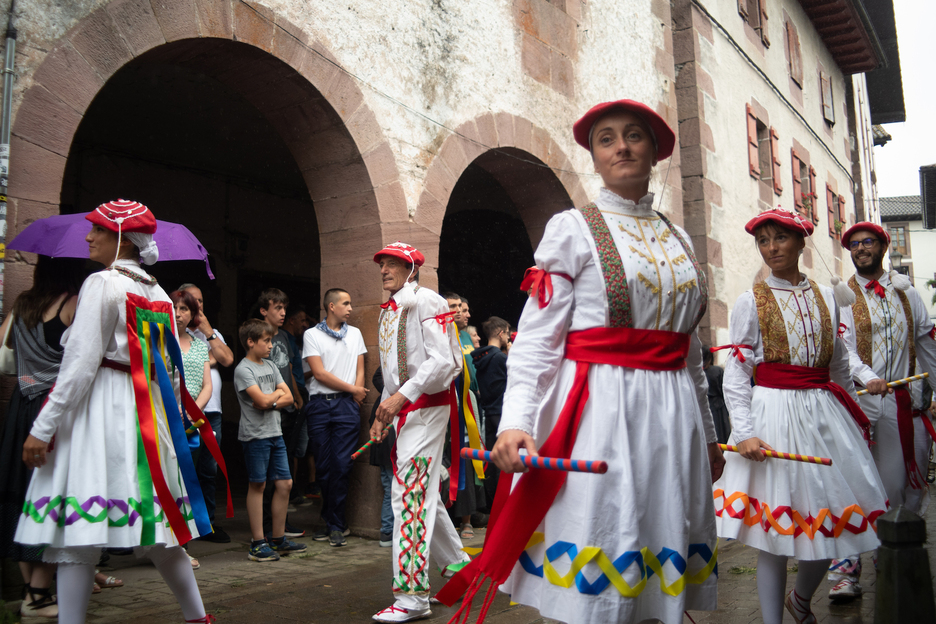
[899,382]
[549,463]
[809,459]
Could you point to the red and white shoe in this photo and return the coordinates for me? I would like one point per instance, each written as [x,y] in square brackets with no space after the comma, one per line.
[846,589]
[208,619]
[394,613]
[792,606]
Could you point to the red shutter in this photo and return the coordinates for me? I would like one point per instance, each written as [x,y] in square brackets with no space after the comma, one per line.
[797,183]
[825,91]
[753,163]
[830,201]
[775,159]
[841,213]
[763,23]
[814,192]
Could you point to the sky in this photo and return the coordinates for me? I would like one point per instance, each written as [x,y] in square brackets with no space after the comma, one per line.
[914,142]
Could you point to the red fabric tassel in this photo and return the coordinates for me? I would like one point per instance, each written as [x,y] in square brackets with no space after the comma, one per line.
[841,330]
[735,350]
[789,377]
[538,283]
[915,477]
[878,289]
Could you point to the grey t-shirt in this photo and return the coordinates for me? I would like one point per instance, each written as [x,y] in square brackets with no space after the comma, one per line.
[256,424]
[282,355]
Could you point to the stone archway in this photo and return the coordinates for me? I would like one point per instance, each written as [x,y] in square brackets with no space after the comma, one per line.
[354,192]
[488,197]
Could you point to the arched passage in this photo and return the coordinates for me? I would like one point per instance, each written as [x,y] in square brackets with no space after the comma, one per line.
[490,195]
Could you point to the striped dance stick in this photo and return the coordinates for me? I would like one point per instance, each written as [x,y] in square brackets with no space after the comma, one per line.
[549,463]
[899,382]
[809,459]
[195,426]
[358,452]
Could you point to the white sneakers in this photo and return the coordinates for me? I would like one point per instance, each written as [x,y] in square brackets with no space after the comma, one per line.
[846,589]
[394,613]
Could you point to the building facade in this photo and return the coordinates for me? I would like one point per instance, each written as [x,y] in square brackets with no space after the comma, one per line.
[911,243]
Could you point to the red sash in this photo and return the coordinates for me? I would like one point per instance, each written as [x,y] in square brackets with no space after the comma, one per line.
[526,506]
[915,478]
[789,377]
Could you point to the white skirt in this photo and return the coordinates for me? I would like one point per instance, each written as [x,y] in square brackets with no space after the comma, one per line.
[802,510]
[88,492]
[638,542]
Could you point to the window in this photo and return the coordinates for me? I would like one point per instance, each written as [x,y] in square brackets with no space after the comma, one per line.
[754,12]
[814,194]
[775,161]
[825,91]
[832,203]
[795,64]
[753,129]
[802,186]
[898,234]
[763,151]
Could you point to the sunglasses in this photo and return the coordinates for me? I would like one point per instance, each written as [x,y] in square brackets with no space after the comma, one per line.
[867,243]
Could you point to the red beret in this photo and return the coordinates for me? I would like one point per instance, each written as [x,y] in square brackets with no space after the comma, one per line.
[123,215]
[866,226]
[406,253]
[784,218]
[665,139]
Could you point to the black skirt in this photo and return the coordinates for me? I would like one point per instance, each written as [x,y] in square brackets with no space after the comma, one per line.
[15,475]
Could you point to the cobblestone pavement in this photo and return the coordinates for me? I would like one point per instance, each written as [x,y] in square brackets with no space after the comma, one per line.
[351,583]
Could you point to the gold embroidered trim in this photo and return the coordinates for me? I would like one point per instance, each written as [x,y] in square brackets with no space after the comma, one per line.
[664,236]
[772,327]
[825,323]
[908,313]
[862,329]
[686,286]
[643,280]
[680,259]
[626,231]
[642,254]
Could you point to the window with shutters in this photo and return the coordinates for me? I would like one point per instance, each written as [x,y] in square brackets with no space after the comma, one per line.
[765,162]
[814,195]
[840,226]
[898,234]
[831,201]
[799,198]
[792,44]
[775,161]
[825,92]
[754,12]
[753,127]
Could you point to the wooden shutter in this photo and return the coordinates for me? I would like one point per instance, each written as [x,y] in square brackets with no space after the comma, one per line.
[796,57]
[753,159]
[763,23]
[797,183]
[825,91]
[775,160]
[815,195]
[841,213]
[830,201]
[742,8]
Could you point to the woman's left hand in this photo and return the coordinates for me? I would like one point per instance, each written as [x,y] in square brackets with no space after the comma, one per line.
[34,452]
[716,460]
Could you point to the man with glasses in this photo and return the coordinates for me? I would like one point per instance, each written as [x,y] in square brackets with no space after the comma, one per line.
[887,331]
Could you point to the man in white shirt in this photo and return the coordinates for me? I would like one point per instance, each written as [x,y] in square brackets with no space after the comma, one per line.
[207,467]
[334,352]
[420,356]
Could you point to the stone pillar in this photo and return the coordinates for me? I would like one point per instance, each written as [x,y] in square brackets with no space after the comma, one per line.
[904,582]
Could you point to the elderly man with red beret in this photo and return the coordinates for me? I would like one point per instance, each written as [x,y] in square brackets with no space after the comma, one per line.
[420,357]
[887,330]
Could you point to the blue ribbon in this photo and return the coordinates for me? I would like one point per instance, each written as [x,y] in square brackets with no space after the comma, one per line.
[177,428]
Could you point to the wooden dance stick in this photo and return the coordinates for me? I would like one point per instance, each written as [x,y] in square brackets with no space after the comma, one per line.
[899,382]
[195,426]
[358,452]
[549,463]
[809,459]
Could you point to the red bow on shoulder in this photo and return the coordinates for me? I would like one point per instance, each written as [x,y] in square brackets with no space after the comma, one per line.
[538,283]
[878,289]
[390,304]
[444,319]
[735,350]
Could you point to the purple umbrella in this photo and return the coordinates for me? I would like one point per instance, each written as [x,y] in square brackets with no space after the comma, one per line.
[63,236]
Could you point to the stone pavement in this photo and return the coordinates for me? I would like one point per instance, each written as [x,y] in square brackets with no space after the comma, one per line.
[349,584]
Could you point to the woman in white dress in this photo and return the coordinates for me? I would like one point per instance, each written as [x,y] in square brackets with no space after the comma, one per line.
[608,366]
[784,334]
[90,487]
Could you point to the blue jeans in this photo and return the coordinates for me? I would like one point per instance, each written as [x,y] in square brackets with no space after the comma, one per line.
[334,427]
[266,460]
[207,467]
[386,510]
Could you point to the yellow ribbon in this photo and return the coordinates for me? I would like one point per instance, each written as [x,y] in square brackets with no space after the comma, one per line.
[474,436]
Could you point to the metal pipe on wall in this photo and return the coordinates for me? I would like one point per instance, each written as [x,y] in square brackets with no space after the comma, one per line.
[5,123]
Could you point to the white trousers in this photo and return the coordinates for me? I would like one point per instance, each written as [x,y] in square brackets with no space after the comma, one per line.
[888,456]
[420,523]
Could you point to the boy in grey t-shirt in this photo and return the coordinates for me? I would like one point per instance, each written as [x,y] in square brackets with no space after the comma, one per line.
[261,391]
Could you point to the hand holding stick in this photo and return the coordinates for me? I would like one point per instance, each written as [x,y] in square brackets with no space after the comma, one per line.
[358,452]
[899,382]
[548,463]
[809,459]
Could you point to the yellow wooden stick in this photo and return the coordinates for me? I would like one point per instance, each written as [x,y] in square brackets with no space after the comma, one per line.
[899,382]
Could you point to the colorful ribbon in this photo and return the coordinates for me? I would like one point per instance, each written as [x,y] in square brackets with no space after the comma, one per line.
[735,350]
[878,289]
[538,283]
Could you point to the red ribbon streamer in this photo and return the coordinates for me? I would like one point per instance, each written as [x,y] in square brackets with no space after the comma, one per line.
[444,319]
[878,289]
[735,350]
[790,377]
[390,304]
[538,283]
[915,477]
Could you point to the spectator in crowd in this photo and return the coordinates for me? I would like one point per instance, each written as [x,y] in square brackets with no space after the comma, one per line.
[491,364]
[381,456]
[716,399]
[418,373]
[39,317]
[261,393]
[272,307]
[475,338]
[335,352]
[206,465]
[470,498]
[293,328]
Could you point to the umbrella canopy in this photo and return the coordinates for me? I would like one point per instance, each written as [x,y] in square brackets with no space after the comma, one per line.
[63,236]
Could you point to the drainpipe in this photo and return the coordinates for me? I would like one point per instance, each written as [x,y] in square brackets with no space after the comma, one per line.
[5,137]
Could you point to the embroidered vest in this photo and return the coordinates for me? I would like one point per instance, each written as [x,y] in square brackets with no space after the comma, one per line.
[612,269]
[864,336]
[402,368]
[773,327]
